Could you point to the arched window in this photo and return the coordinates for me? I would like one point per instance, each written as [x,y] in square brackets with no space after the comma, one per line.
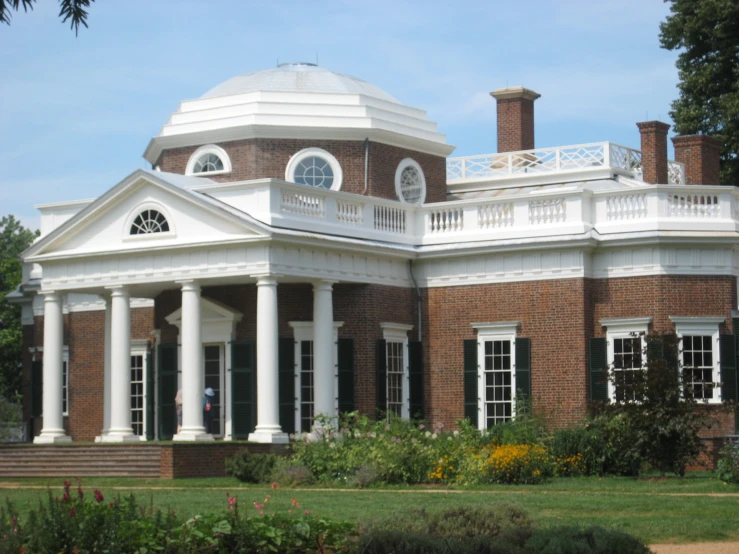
[410,183]
[314,167]
[149,221]
[208,160]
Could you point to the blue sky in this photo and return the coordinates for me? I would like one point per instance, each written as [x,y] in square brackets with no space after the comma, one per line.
[77,113]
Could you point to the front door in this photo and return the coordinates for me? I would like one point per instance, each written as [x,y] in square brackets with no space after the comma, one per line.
[213,358]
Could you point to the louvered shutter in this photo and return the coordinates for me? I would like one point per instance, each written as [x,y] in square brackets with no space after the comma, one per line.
[37,388]
[523,368]
[346,375]
[287,370]
[243,369]
[381,365]
[598,361]
[167,374]
[415,379]
[150,398]
[471,382]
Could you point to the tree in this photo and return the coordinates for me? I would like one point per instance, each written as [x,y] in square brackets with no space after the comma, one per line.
[707,34]
[14,239]
[74,11]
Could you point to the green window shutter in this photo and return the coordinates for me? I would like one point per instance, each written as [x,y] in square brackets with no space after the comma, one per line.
[523,368]
[346,375]
[381,365]
[598,369]
[37,388]
[728,367]
[736,341]
[471,380]
[243,369]
[150,403]
[286,364]
[167,376]
[415,379]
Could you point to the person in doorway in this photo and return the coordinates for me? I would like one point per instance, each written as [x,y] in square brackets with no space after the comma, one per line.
[178,408]
[208,409]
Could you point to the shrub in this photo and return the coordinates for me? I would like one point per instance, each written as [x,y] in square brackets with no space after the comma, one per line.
[291,474]
[593,540]
[365,476]
[252,468]
[514,464]
[728,463]
[400,542]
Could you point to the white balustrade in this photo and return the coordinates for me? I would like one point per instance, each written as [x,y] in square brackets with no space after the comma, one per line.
[675,173]
[626,206]
[302,203]
[446,220]
[547,211]
[390,219]
[495,216]
[350,213]
[698,206]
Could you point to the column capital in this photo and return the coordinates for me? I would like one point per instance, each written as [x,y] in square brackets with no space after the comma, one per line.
[189,285]
[267,281]
[324,284]
[51,295]
[118,291]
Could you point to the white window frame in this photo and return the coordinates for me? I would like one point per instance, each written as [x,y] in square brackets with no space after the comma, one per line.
[410,162]
[148,205]
[624,328]
[203,151]
[298,157]
[398,333]
[65,372]
[702,326]
[303,331]
[139,347]
[494,331]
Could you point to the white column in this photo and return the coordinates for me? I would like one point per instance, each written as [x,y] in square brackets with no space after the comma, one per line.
[268,402]
[120,368]
[193,376]
[106,371]
[323,348]
[53,428]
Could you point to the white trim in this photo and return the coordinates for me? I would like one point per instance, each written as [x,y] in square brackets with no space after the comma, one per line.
[137,210]
[685,325]
[398,333]
[487,332]
[497,328]
[204,150]
[410,162]
[318,152]
[139,347]
[624,328]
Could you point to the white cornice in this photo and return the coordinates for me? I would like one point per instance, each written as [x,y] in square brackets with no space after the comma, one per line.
[617,323]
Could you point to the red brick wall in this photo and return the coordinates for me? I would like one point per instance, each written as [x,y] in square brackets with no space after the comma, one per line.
[515,124]
[268,158]
[206,459]
[701,155]
[654,151]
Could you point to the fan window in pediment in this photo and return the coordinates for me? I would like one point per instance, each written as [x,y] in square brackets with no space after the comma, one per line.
[148,222]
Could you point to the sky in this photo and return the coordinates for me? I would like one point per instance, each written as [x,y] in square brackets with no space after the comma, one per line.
[77,112]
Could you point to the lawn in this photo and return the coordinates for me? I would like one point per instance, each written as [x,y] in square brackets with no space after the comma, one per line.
[697,508]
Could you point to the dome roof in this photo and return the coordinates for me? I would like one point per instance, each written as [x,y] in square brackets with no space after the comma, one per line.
[297,77]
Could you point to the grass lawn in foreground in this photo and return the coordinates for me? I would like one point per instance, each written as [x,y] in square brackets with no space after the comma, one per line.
[647,508]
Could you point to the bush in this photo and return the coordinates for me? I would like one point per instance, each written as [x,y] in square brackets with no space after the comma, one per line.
[514,464]
[252,468]
[593,540]
[399,542]
[291,474]
[728,463]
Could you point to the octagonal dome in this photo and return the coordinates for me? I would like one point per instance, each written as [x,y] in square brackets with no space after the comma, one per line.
[297,101]
[297,77]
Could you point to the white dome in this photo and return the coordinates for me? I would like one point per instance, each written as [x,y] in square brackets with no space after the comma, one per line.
[297,77]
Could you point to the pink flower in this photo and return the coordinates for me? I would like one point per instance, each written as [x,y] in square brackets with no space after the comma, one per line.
[295,503]
[98,496]
[258,506]
[306,512]
[80,494]
[232,502]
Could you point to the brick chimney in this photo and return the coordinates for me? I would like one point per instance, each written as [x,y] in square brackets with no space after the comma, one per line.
[515,118]
[701,155]
[654,151]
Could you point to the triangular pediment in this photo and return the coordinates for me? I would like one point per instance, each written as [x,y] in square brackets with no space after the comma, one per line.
[107,225]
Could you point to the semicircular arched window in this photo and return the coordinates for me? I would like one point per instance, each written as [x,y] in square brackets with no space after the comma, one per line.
[208,160]
[208,163]
[149,221]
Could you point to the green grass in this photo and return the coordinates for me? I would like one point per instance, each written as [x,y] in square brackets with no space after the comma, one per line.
[642,508]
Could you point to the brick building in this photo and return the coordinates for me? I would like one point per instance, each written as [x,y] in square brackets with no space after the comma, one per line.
[303,244]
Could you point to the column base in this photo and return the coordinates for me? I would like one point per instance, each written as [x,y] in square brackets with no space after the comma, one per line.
[53,437]
[190,437]
[118,438]
[269,437]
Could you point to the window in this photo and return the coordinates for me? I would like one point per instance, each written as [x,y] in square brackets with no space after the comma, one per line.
[497,372]
[65,382]
[410,183]
[397,367]
[137,394]
[314,167]
[626,354]
[149,221]
[213,363]
[208,160]
[699,356]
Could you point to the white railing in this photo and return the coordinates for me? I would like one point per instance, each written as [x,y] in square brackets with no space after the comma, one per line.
[577,158]
[518,216]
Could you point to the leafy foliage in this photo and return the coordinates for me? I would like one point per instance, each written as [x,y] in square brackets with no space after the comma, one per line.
[14,239]
[707,35]
[74,11]
[728,463]
[252,468]
[594,539]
